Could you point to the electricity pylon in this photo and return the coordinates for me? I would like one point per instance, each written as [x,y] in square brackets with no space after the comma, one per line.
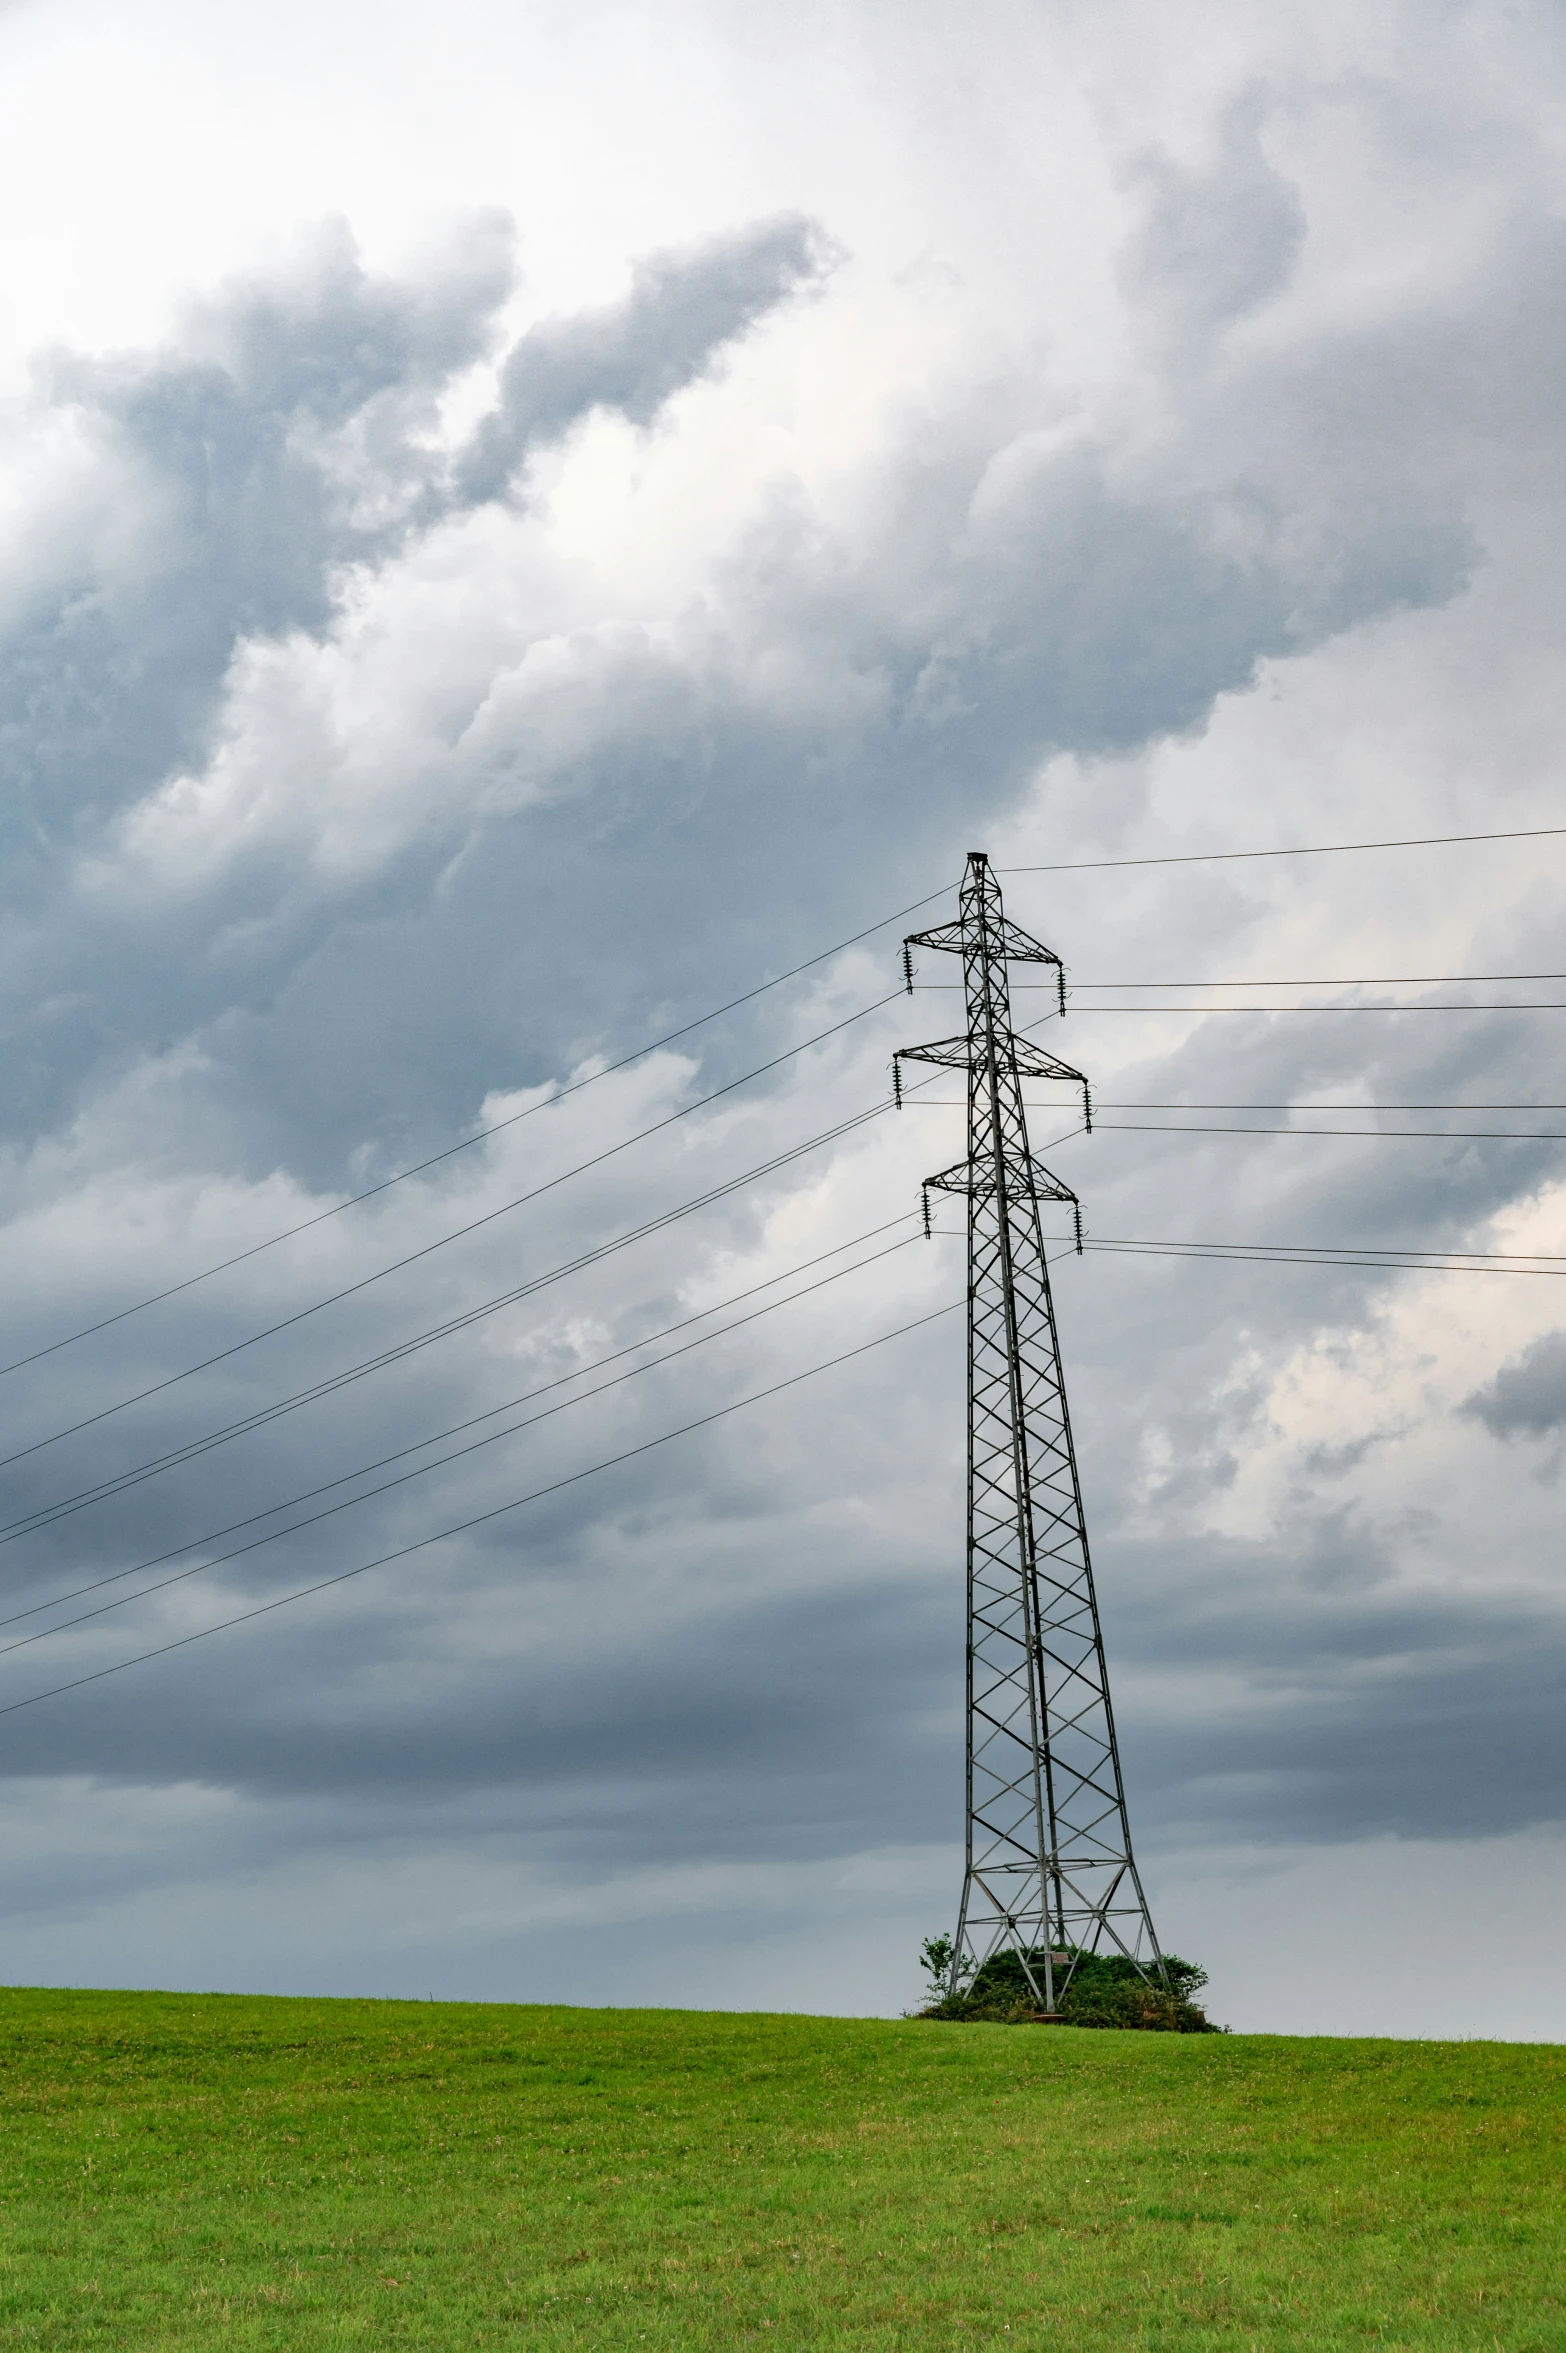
[1050,1871]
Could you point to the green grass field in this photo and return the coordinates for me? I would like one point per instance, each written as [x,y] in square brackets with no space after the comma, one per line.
[222,2171]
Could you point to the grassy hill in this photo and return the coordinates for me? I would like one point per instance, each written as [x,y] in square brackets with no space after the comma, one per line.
[219,2171]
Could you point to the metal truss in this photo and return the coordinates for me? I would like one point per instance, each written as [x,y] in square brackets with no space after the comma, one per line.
[1050,1871]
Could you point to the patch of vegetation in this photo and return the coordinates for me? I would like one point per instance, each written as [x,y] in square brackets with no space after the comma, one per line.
[1094,1989]
[179,2174]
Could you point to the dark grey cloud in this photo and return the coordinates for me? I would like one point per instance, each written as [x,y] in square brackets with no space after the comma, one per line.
[1527,1398]
[1217,243]
[681,310]
[1364,1707]
[1301,1693]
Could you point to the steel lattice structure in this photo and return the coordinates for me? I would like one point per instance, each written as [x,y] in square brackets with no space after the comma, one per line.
[1050,1871]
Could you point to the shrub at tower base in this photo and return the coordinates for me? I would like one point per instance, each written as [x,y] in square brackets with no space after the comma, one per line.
[1105,1990]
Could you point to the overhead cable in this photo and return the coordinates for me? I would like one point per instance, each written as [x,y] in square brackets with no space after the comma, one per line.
[190,1449]
[1376,1135]
[1175,1127]
[1423,841]
[441,1462]
[1379,980]
[1291,1258]
[1211,1012]
[479,1136]
[80,1499]
[1106,1105]
[1324,1255]
[457,1234]
[481,1519]
[1363,1252]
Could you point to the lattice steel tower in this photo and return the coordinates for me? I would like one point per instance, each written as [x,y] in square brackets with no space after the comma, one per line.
[1050,1870]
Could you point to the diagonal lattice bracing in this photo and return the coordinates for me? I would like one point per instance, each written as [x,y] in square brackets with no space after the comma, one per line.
[1050,1870]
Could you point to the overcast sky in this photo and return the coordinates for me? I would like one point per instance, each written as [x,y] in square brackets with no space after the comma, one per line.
[527,523]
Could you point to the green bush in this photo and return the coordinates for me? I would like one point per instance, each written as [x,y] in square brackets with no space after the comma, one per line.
[1104,1989]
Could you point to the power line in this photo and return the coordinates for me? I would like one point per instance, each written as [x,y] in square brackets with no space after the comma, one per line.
[1354,1253]
[1367,1107]
[1171,1127]
[1211,1012]
[82,1498]
[510,1430]
[1361,1250]
[28,1523]
[1422,1266]
[457,1234]
[1378,1135]
[479,1519]
[1380,980]
[1326,1255]
[1423,841]
[479,1136]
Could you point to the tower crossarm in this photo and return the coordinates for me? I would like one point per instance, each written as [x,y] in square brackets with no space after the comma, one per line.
[952,1053]
[963,1177]
[1011,941]
[1027,1058]
[957,1179]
